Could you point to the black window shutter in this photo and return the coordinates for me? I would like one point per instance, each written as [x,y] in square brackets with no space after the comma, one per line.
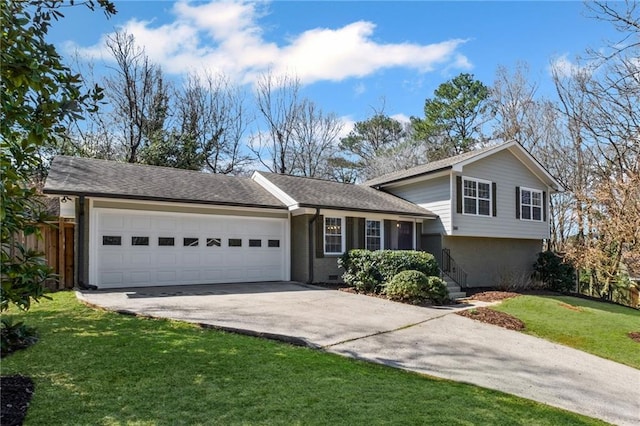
[349,233]
[517,202]
[419,236]
[544,206]
[320,236]
[494,199]
[459,194]
[387,234]
[362,229]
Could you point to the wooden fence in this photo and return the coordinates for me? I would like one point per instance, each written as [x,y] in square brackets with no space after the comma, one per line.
[57,244]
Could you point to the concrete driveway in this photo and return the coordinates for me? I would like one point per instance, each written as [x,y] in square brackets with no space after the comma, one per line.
[425,340]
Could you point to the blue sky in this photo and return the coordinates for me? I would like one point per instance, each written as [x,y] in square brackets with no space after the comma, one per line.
[349,55]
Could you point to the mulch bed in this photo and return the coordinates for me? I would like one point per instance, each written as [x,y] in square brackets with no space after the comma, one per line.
[634,335]
[15,395]
[490,316]
[494,296]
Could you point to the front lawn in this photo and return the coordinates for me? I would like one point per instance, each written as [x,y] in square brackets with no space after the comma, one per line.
[591,326]
[95,367]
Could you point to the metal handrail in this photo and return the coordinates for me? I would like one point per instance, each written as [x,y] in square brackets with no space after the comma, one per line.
[451,269]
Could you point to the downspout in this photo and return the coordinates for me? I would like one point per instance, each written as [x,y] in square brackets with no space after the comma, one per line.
[82,285]
[311,244]
[80,243]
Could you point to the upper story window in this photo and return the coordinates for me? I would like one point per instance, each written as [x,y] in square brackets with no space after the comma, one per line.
[373,235]
[333,235]
[531,204]
[476,197]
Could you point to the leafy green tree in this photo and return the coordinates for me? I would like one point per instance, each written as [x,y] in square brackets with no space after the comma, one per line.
[370,139]
[453,117]
[40,96]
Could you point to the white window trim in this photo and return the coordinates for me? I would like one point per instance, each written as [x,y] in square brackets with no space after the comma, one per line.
[343,224]
[491,195]
[531,206]
[381,232]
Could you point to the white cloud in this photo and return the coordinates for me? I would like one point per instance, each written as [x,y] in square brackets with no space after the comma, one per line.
[225,36]
[402,118]
[359,89]
[564,67]
[348,123]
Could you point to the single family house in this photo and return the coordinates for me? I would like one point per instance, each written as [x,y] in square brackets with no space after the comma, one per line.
[139,225]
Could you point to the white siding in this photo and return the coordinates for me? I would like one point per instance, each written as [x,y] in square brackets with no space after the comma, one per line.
[508,173]
[433,195]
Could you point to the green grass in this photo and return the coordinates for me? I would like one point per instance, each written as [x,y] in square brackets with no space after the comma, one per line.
[93,367]
[595,327]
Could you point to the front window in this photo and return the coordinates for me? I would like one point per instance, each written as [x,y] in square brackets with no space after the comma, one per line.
[531,204]
[373,235]
[477,197]
[333,234]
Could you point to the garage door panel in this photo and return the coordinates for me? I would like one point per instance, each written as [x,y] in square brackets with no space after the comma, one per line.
[140,222]
[174,263]
[139,277]
[166,276]
[112,222]
[139,259]
[191,275]
[112,278]
[164,224]
[191,259]
[167,259]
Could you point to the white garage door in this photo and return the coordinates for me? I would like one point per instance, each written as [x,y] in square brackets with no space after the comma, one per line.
[140,248]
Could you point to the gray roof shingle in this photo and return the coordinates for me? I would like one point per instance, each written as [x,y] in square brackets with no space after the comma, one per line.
[102,178]
[309,192]
[424,169]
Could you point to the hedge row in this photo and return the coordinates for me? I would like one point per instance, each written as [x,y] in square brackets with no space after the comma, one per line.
[369,271]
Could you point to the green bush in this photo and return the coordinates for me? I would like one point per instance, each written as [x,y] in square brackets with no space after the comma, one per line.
[15,336]
[415,287]
[437,290]
[407,286]
[368,270]
[554,272]
[361,270]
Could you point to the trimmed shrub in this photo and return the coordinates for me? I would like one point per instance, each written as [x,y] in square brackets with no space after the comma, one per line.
[394,261]
[407,286]
[361,270]
[368,270]
[436,290]
[554,272]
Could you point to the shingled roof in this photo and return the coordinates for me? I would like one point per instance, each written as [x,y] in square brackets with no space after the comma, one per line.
[318,193]
[428,168]
[112,179]
[468,157]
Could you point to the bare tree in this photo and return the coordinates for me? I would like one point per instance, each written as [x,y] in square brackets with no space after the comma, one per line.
[513,101]
[137,93]
[278,104]
[601,101]
[315,141]
[212,120]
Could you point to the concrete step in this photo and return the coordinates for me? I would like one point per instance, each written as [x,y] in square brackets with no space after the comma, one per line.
[457,295]
[454,289]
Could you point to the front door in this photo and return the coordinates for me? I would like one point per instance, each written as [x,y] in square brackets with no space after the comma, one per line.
[405,235]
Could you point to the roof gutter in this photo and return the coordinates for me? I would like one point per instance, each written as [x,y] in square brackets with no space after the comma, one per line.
[311,244]
[388,212]
[159,199]
[380,185]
